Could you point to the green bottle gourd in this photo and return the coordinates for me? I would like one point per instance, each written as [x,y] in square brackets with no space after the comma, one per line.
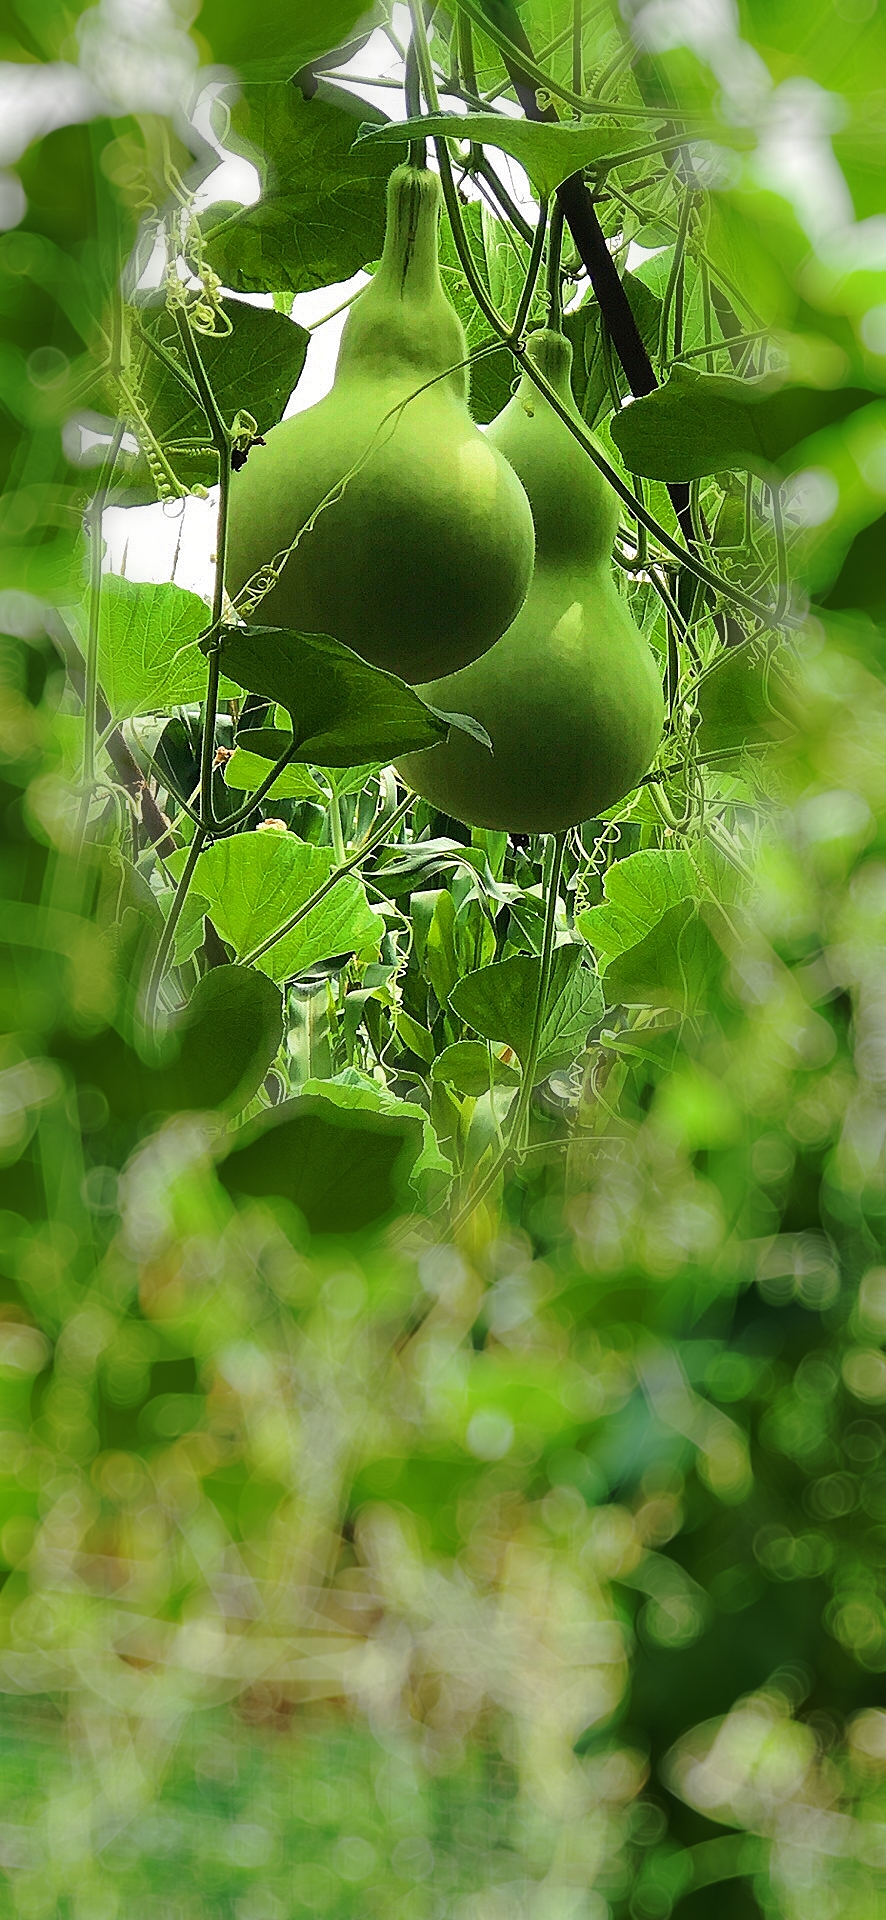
[424,554]
[570,696]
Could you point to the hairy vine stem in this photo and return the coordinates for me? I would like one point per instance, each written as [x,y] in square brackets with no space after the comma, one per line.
[532,271]
[94,518]
[515,1143]
[221,440]
[172,919]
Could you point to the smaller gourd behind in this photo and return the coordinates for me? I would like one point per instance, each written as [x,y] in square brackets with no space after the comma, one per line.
[416,540]
[571,695]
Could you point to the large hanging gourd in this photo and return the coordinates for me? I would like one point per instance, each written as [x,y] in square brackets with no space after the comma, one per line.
[414,538]
[570,696]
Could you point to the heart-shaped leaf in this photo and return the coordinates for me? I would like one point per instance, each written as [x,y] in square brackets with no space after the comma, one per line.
[344,712]
[321,215]
[499,1002]
[700,423]
[345,1169]
[468,1067]
[214,1057]
[548,151]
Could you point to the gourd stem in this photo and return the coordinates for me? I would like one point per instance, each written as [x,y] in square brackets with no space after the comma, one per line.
[532,271]
[233,820]
[221,441]
[554,867]
[479,165]
[676,264]
[90,690]
[419,42]
[521,1110]
[418,149]
[338,873]
[555,278]
[172,919]
[467,67]
[783,587]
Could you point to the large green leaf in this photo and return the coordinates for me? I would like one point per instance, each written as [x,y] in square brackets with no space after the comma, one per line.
[673,966]
[700,423]
[469,1067]
[322,211]
[229,1034]
[345,1168]
[254,367]
[638,891]
[277,39]
[861,581]
[549,152]
[149,658]
[743,702]
[499,1002]
[245,771]
[344,712]
[213,1058]
[350,1090]
[254,882]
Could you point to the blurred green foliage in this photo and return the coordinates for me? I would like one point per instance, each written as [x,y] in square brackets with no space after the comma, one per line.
[351,1561]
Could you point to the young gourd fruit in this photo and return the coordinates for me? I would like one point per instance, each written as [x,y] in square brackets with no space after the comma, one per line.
[570,696]
[413,536]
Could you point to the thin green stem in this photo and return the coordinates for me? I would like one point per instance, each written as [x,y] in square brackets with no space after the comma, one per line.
[783,578]
[233,820]
[710,346]
[172,919]
[532,271]
[91,693]
[465,43]
[166,359]
[620,59]
[481,168]
[707,313]
[585,103]
[667,599]
[338,873]
[555,276]
[338,839]
[221,441]
[557,846]
[418,150]
[423,55]
[676,265]
[578,77]
[521,1109]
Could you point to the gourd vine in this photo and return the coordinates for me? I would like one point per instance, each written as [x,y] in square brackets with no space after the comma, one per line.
[445,834]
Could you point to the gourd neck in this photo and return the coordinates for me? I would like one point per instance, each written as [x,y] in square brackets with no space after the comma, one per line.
[551,353]
[403,324]
[573,507]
